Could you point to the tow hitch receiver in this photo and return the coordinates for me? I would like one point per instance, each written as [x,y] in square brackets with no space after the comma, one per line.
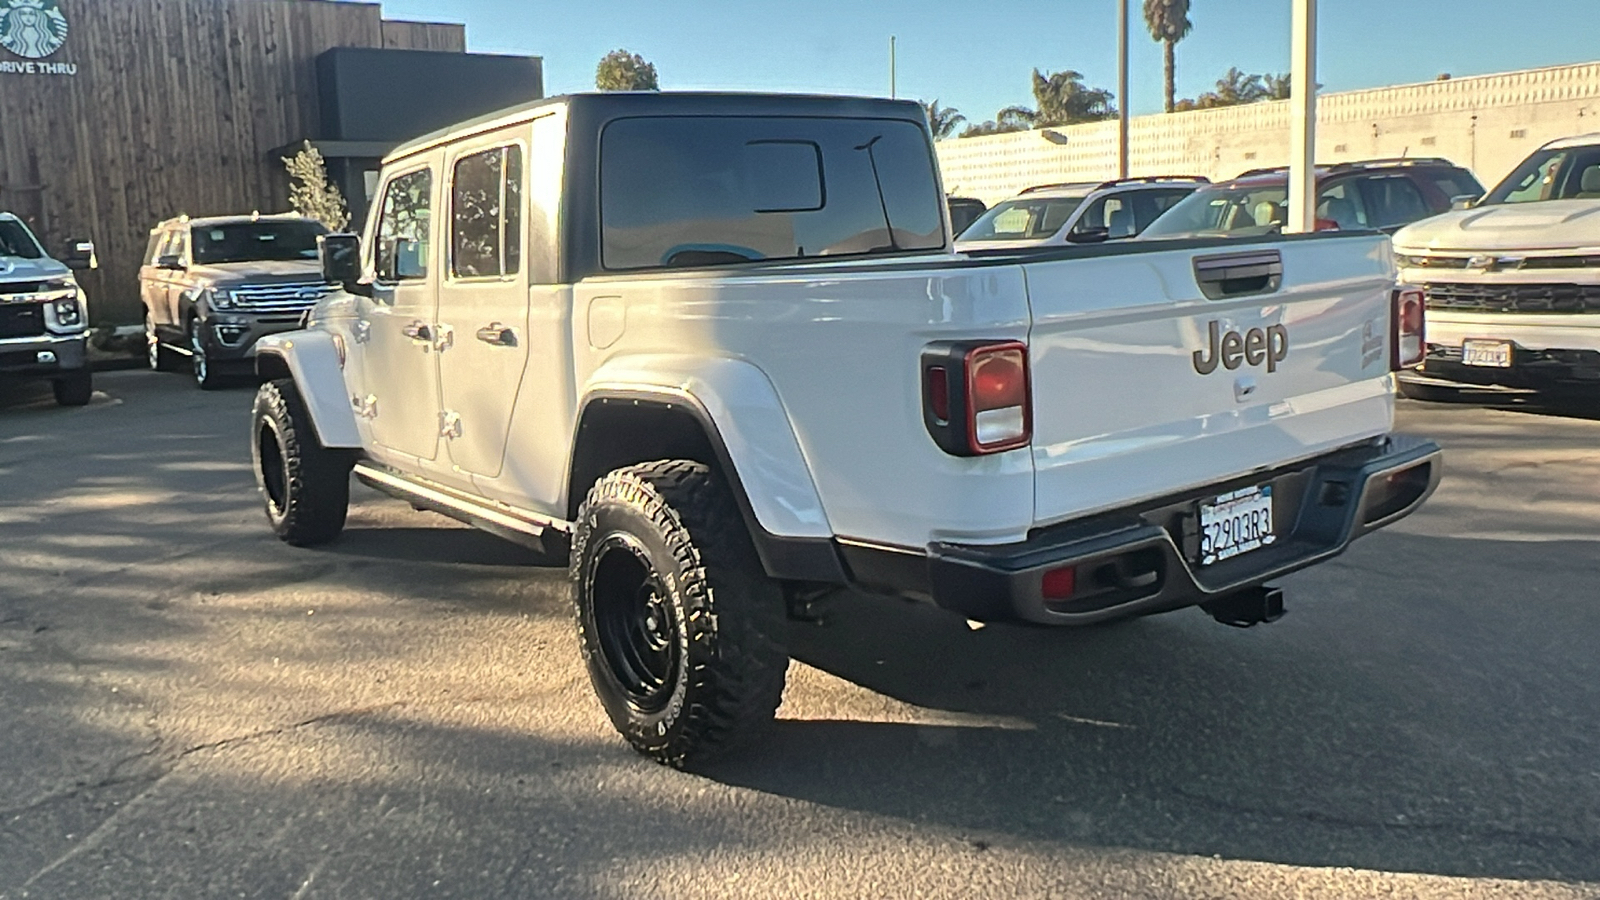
[1251,606]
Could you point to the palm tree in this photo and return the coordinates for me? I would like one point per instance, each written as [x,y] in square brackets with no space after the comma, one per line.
[1168,21]
[1277,86]
[1236,88]
[1064,99]
[942,120]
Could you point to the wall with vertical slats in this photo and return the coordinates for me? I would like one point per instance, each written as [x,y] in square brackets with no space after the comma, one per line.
[174,108]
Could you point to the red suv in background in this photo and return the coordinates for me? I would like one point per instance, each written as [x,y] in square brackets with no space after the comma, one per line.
[1375,194]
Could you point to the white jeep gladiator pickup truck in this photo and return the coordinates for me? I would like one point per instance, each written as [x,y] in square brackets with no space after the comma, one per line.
[714,353]
[1513,282]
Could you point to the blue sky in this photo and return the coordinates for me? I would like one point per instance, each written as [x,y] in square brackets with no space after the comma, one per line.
[977,55]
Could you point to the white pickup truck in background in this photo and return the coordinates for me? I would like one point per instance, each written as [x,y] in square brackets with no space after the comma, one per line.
[715,354]
[1513,281]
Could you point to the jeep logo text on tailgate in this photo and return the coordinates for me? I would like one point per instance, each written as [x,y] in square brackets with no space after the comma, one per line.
[1269,345]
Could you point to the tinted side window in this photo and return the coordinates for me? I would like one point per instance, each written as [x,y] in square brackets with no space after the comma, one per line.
[486,214]
[688,191]
[404,219]
[1340,204]
[1108,214]
[153,249]
[1393,200]
[1456,184]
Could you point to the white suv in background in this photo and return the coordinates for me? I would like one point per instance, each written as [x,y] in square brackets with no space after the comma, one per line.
[1513,281]
[1087,213]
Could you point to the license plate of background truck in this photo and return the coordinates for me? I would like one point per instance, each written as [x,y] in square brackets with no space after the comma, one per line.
[1235,523]
[1496,354]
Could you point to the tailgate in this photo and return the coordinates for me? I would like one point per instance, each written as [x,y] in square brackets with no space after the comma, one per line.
[1157,370]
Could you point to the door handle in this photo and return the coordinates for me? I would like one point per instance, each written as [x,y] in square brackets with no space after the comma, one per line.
[418,331]
[498,335]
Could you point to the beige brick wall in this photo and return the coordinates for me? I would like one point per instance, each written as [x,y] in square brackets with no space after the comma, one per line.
[1488,123]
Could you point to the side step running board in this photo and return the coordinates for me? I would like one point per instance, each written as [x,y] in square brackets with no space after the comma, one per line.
[548,536]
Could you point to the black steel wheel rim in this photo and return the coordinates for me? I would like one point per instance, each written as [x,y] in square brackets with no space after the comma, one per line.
[274,468]
[635,624]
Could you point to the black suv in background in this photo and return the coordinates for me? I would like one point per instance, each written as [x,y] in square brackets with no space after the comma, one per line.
[1380,194]
[212,287]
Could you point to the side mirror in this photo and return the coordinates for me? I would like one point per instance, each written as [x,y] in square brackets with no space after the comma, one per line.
[170,261]
[80,255]
[1465,201]
[340,255]
[1089,236]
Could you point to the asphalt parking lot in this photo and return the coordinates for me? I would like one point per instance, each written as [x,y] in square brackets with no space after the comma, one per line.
[192,709]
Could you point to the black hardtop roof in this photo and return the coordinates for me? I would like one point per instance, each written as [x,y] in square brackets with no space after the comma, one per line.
[602,107]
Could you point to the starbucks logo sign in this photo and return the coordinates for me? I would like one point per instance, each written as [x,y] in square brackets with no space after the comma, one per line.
[32,29]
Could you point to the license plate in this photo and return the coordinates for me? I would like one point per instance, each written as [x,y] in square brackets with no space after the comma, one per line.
[1235,523]
[1495,354]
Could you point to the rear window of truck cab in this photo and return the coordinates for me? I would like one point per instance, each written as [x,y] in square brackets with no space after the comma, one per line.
[684,191]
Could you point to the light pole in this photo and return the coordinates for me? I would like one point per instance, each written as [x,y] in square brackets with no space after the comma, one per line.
[1303,119]
[1122,88]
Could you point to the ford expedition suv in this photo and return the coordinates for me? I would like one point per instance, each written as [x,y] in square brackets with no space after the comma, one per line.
[713,353]
[212,287]
[44,317]
[1513,282]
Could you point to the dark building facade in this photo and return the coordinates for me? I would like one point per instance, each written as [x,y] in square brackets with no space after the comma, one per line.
[117,115]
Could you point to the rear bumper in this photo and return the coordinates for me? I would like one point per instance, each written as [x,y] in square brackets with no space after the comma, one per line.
[44,355]
[1142,559]
[1541,369]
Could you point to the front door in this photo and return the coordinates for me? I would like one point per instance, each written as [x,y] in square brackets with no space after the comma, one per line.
[396,331]
[483,300]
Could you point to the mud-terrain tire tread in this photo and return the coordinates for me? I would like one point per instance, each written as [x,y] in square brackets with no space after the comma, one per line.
[737,662]
[317,482]
[75,389]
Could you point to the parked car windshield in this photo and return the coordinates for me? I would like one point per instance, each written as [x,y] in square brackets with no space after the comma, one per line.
[1569,174]
[256,241]
[1242,211]
[1024,218]
[700,191]
[16,240]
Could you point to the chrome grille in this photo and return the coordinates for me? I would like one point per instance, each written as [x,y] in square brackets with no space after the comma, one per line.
[280,297]
[1515,298]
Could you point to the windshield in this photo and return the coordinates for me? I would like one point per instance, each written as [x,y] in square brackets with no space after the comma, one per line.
[1231,211]
[1569,174]
[256,241]
[16,240]
[1022,219]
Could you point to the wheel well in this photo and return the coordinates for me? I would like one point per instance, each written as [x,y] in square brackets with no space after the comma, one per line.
[271,366]
[613,433]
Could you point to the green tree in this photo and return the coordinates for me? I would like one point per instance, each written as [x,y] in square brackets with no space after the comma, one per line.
[311,194]
[1236,88]
[1277,86]
[1168,21]
[620,70]
[1064,99]
[942,120]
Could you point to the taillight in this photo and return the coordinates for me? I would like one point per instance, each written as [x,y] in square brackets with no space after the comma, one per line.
[976,398]
[1408,329]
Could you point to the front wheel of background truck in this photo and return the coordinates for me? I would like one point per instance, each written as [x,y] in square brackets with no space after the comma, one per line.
[74,389]
[305,486]
[680,628]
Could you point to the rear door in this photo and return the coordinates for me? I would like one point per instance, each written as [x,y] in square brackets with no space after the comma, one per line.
[483,299]
[1167,369]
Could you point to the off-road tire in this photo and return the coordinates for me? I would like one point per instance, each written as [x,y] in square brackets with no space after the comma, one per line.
[74,389]
[676,520]
[304,486]
[158,356]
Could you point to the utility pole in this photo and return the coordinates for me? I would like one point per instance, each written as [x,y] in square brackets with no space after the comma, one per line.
[1122,88]
[892,72]
[1303,119]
